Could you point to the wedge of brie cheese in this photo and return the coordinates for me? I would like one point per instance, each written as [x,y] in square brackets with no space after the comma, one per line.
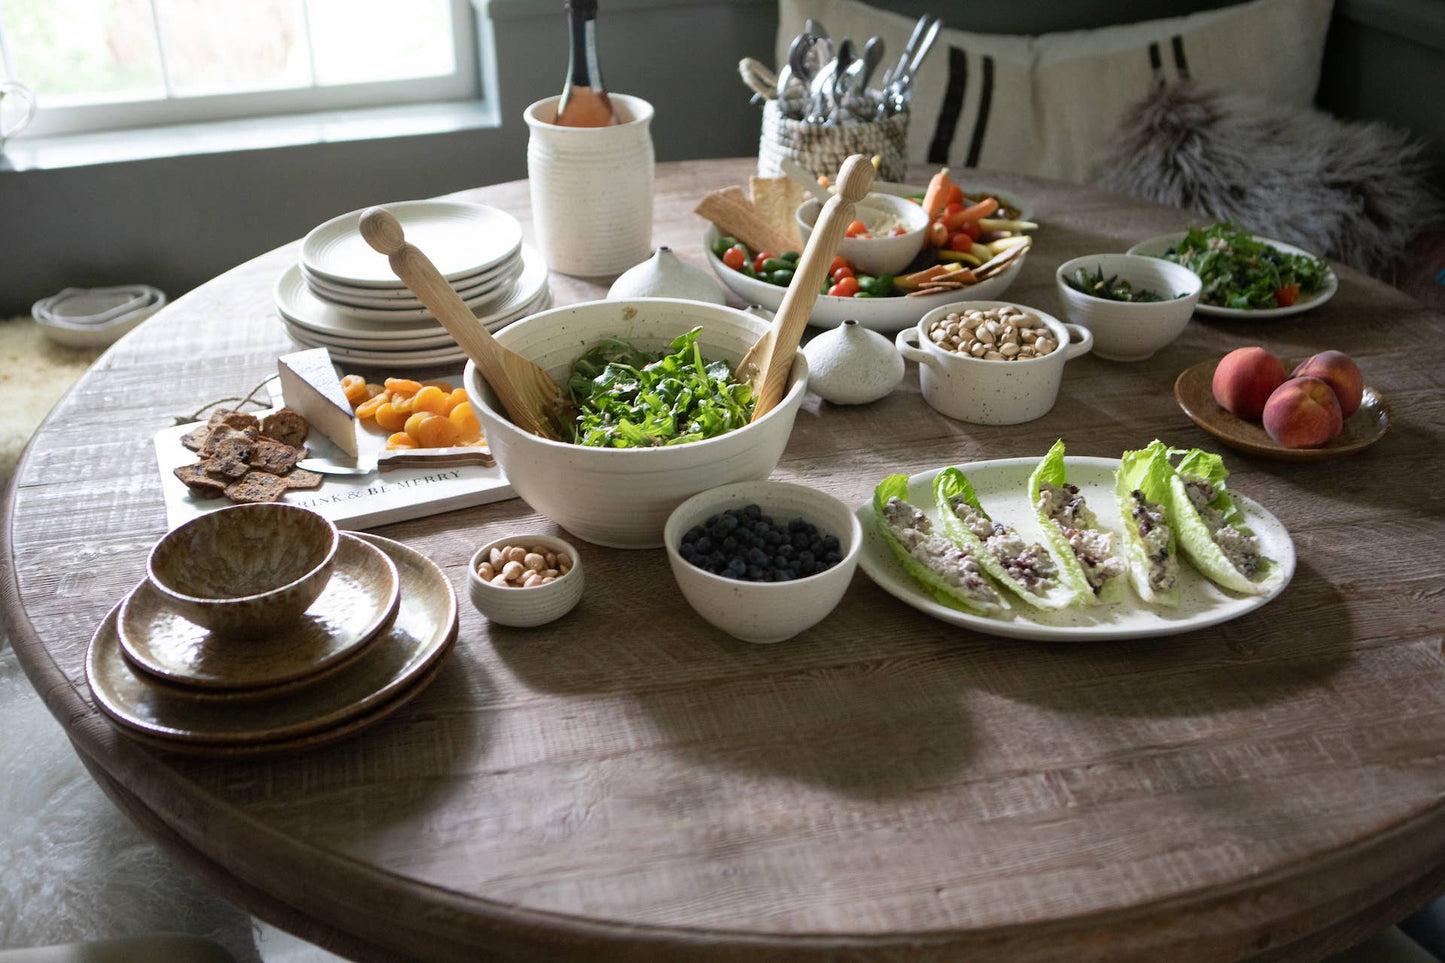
[311,388]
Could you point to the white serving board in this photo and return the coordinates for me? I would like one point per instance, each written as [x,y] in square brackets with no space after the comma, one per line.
[352,502]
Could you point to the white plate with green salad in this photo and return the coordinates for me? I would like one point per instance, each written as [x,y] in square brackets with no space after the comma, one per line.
[1245,275]
[1002,487]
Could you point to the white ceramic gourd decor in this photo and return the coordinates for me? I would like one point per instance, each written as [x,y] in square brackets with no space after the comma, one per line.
[851,365]
[665,275]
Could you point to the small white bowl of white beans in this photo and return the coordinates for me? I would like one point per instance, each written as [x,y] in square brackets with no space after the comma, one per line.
[525,580]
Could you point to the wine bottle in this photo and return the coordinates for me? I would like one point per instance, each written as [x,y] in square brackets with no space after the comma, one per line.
[584,100]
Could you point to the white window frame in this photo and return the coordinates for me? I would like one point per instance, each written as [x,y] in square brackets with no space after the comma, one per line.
[464,83]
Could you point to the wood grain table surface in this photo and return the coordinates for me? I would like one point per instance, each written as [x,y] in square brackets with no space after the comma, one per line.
[629,783]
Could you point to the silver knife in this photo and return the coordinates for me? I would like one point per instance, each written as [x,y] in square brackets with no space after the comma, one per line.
[402,458]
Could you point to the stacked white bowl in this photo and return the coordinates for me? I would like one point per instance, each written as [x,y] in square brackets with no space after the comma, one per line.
[95,317]
[343,296]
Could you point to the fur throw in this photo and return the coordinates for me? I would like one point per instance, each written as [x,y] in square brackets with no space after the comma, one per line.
[72,867]
[1353,192]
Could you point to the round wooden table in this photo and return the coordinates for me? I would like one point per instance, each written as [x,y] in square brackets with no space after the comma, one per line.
[629,783]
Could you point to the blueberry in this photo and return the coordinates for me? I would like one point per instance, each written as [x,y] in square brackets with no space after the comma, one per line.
[755,573]
[686,550]
[752,511]
[692,534]
[830,544]
[796,525]
[729,544]
[737,567]
[787,551]
[711,521]
[773,538]
[801,540]
[806,557]
[704,544]
[832,558]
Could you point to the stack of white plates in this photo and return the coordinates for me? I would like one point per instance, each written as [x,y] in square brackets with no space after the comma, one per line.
[342,295]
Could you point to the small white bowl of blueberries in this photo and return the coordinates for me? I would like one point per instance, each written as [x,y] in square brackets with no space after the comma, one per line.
[763,561]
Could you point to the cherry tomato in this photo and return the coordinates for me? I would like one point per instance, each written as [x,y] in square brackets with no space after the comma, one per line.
[758,261]
[1286,295]
[839,262]
[959,241]
[856,229]
[972,229]
[734,258]
[952,208]
[955,194]
[898,232]
[845,288]
[843,272]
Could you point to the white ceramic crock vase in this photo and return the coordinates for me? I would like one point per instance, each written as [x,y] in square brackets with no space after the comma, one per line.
[852,365]
[591,188]
[665,275]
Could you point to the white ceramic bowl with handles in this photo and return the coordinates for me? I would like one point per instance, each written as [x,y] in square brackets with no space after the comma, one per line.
[991,392]
[621,497]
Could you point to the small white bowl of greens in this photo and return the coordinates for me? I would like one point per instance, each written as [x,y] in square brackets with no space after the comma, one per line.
[1245,275]
[1134,305]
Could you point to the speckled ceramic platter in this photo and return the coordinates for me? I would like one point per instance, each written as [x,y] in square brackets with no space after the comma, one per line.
[1194,391]
[400,658]
[1002,488]
[359,598]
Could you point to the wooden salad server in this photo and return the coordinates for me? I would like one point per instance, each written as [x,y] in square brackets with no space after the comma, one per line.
[768,361]
[533,401]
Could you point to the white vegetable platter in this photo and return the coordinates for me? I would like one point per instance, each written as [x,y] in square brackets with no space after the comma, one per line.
[461,239]
[1156,246]
[888,315]
[1002,487]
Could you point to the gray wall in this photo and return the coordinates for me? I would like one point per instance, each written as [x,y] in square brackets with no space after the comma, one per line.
[174,222]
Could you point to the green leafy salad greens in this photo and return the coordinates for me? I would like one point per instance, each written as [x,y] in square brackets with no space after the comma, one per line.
[627,398]
[1111,289]
[1240,271]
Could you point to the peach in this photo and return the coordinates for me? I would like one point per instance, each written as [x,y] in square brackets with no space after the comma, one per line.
[1303,413]
[1339,371]
[1244,380]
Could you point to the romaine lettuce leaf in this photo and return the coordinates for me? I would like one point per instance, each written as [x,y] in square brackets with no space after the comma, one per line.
[1051,470]
[1195,541]
[950,487]
[944,592]
[1146,470]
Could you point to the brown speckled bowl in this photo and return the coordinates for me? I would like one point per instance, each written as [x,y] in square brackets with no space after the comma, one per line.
[246,569]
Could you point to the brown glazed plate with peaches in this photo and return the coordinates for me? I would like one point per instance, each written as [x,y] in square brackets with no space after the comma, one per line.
[1194,392]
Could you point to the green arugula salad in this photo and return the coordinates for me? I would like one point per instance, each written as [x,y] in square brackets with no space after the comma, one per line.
[1240,271]
[628,398]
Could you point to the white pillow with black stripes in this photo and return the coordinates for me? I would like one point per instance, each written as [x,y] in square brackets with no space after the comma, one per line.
[1046,105]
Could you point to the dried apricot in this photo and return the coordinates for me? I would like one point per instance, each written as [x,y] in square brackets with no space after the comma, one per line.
[354,387]
[445,386]
[400,440]
[368,407]
[436,431]
[430,398]
[457,397]
[415,422]
[389,417]
[466,422]
[403,386]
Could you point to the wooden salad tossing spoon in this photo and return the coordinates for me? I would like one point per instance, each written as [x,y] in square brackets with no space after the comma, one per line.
[531,398]
[768,361]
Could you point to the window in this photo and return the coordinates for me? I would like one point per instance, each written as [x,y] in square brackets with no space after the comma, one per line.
[107,64]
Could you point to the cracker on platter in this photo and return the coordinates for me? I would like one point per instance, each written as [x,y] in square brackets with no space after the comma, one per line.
[201,484]
[735,216]
[776,200]
[257,486]
[301,479]
[285,426]
[274,457]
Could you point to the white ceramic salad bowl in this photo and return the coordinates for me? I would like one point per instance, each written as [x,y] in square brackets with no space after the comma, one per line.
[621,497]
[887,315]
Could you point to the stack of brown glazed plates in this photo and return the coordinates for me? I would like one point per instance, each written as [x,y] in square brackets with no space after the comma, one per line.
[373,640]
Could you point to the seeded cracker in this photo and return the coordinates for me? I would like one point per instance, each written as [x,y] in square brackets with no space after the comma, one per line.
[201,484]
[285,426]
[225,433]
[196,437]
[274,457]
[300,478]
[257,486]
